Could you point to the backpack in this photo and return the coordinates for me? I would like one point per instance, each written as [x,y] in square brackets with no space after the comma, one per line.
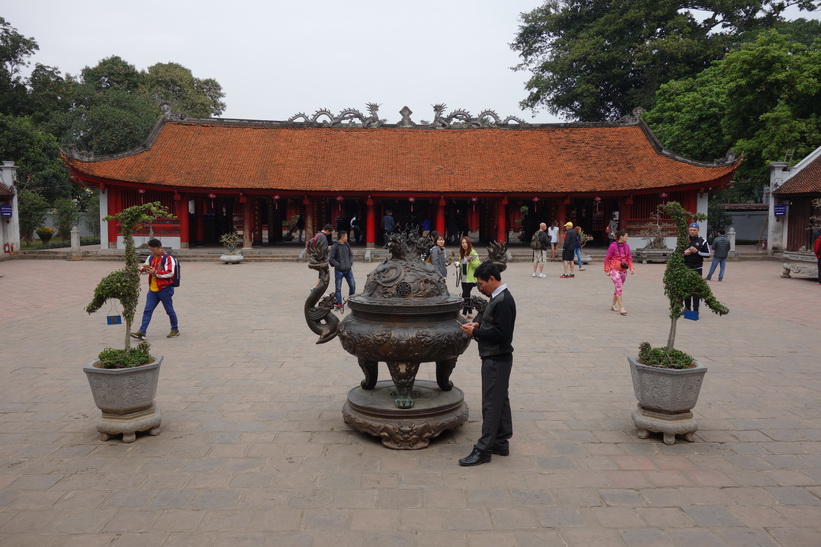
[175,281]
[535,244]
[314,240]
[427,257]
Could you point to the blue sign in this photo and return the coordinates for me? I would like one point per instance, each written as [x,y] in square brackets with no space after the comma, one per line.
[5,210]
[779,210]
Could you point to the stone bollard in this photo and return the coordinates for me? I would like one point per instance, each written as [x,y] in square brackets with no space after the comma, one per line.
[75,240]
[731,237]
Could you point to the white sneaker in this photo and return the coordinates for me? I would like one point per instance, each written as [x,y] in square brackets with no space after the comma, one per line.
[534,274]
[542,275]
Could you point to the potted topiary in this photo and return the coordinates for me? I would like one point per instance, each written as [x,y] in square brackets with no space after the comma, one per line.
[667,381]
[231,241]
[45,233]
[124,381]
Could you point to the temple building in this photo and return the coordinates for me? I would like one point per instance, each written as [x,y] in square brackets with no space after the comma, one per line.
[492,178]
[791,210]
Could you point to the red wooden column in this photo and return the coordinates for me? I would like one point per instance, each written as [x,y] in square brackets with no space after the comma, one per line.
[501,217]
[199,219]
[310,229]
[115,205]
[247,224]
[181,202]
[440,216]
[370,224]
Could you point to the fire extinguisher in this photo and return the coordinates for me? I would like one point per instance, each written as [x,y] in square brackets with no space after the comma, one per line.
[6,248]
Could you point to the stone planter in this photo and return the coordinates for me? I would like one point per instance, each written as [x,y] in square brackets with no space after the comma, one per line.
[666,397]
[126,398]
[800,263]
[231,258]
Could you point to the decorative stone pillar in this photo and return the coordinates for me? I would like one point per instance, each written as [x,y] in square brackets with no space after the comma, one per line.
[75,239]
[731,237]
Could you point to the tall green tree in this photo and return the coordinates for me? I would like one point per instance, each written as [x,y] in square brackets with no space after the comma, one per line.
[761,100]
[175,84]
[37,156]
[15,49]
[32,209]
[596,60]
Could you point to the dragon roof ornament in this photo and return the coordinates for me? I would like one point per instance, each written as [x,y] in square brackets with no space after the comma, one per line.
[459,118]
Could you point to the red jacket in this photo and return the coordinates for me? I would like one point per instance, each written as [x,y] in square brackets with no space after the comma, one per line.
[817,247]
[164,266]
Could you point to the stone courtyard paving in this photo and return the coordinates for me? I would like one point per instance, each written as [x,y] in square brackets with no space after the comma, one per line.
[254,450]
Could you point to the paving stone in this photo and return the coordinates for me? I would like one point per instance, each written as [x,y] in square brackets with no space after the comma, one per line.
[254,450]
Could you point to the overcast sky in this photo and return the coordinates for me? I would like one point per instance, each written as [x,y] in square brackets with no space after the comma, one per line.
[276,58]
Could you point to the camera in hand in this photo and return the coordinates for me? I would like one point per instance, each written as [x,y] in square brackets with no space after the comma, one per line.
[624,266]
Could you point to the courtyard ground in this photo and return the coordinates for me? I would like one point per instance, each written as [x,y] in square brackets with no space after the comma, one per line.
[254,450]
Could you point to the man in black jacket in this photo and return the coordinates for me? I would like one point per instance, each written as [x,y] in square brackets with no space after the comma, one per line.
[495,336]
[694,259]
[341,258]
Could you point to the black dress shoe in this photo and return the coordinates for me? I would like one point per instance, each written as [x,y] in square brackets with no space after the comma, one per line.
[475,458]
[499,451]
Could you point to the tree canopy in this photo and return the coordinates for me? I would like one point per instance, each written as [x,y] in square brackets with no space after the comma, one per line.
[108,108]
[762,100]
[597,60]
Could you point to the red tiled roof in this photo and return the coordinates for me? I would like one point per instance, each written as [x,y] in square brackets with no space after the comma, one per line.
[5,191]
[212,154]
[806,181]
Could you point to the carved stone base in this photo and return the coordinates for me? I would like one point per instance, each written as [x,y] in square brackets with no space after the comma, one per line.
[669,424]
[435,411]
[128,424]
[652,255]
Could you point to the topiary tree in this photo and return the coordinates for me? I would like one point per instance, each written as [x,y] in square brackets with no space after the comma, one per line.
[124,284]
[680,282]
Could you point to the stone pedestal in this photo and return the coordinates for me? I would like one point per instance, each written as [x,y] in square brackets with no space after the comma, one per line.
[669,424]
[435,411]
[800,263]
[128,424]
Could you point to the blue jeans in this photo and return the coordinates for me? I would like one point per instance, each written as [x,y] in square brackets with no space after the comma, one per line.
[347,276]
[716,262]
[579,257]
[152,299]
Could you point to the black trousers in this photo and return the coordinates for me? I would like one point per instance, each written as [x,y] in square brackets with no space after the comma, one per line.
[691,303]
[497,422]
[466,288]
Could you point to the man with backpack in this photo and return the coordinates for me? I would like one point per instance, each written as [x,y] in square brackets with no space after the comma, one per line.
[539,243]
[161,269]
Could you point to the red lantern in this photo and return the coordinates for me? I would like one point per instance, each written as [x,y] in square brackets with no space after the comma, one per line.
[276,201]
[535,202]
[411,199]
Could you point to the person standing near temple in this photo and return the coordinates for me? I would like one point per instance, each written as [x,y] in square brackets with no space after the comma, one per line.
[721,250]
[569,251]
[694,256]
[494,336]
[468,262]
[553,233]
[816,248]
[388,225]
[437,255]
[341,258]
[617,262]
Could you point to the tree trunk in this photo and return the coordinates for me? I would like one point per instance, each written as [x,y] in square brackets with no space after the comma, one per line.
[672,338]
[127,335]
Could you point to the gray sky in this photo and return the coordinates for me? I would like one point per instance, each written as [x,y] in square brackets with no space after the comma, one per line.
[279,57]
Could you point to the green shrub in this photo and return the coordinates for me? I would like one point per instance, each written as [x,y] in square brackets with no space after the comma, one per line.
[121,358]
[664,357]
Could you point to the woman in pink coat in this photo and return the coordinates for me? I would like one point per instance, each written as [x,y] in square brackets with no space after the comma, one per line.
[619,259]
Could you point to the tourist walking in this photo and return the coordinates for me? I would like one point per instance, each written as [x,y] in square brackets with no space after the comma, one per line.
[578,250]
[468,262]
[553,234]
[437,256]
[495,337]
[160,268]
[721,250]
[569,250]
[539,243]
[341,258]
[617,262]
[694,255]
